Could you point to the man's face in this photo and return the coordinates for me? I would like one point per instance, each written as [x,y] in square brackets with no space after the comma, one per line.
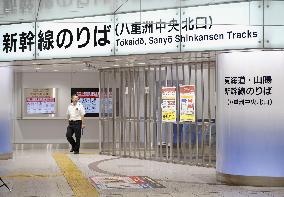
[75,99]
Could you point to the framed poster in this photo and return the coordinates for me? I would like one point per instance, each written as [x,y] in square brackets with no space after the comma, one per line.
[40,102]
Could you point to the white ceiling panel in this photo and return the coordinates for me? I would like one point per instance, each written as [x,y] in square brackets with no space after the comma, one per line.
[17,11]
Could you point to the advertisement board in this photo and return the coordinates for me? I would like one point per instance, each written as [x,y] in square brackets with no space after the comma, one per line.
[168,104]
[187,103]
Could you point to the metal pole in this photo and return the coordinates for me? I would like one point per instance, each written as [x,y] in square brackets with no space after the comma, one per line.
[209,112]
[166,125]
[149,109]
[171,129]
[120,111]
[108,113]
[113,113]
[203,103]
[102,100]
[138,112]
[145,115]
[183,130]
[134,111]
[160,113]
[155,108]
[196,119]
[100,113]
[189,127]
[130,108]
[124,115]
[177,113]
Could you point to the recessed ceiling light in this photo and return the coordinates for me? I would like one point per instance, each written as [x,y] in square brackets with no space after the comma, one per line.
[141,63]
[7,10]
[116,65]
[85,69]
[55,70]
[37,68]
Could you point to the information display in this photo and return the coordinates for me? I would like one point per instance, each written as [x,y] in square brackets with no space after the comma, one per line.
[90,99]
[40,101]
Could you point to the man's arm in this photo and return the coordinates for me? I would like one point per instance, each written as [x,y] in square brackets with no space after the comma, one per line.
[67,115]
[83,122]
[83,112]
[67,120]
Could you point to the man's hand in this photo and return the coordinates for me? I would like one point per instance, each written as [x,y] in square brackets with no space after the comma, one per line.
[83,126]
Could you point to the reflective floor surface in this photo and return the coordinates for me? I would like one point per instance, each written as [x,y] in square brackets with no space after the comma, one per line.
[34,173]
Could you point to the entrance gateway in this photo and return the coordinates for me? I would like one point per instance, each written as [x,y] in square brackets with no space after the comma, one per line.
[225,97]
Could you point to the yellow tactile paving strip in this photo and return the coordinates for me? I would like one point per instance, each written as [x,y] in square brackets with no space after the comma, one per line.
[79,184]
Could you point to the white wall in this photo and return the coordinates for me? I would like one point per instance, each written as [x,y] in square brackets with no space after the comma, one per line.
[52,130]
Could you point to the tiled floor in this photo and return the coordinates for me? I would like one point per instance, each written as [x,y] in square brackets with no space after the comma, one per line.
[33,173]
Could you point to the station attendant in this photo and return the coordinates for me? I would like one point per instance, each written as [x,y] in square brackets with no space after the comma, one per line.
[75,117]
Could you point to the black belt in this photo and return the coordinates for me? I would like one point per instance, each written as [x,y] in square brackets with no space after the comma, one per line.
[75,121]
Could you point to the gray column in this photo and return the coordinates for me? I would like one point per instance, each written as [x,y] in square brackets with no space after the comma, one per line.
[6,88]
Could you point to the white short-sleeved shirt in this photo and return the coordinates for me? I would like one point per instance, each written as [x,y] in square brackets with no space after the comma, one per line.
[75,111]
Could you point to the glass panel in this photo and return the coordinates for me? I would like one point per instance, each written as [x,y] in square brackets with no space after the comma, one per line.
[274,13]
[206,2]
[59,9]
[13,11]
[206,28]
[156,4]
[128,6]
[274,24]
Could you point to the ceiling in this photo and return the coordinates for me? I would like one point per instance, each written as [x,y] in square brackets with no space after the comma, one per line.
[93,64]
[15,11]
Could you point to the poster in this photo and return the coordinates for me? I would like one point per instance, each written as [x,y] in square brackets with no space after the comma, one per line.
[89,97]
[168,104]
[40,100]
[125,182]
[187,103]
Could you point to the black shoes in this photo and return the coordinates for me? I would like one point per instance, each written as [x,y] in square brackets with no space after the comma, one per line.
[75,152]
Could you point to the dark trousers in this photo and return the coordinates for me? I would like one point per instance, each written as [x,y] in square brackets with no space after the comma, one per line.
[74,127]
